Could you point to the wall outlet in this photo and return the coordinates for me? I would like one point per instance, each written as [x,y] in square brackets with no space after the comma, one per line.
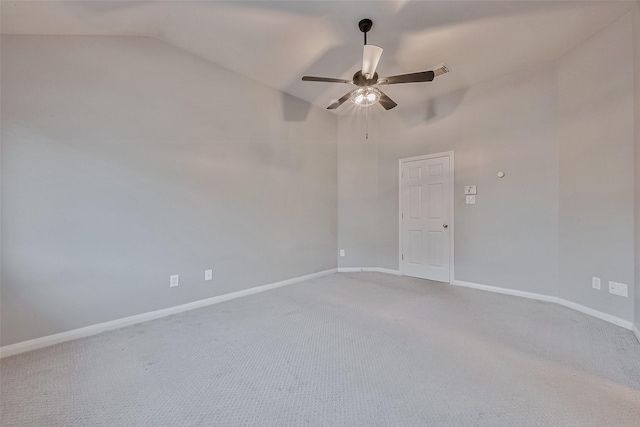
[595,283]
[470,189]
[174,280]
[208,274]
[341,252]
[618,289]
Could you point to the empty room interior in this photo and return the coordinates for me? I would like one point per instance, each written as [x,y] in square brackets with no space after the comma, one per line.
[325,213]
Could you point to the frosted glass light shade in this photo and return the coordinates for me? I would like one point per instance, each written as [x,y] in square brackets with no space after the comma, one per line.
[365,96]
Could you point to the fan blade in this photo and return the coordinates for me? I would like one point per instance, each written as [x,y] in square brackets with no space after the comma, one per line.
[423,76]
[370,57]
[340,101]
[386,102]
[324,79]
[440,70]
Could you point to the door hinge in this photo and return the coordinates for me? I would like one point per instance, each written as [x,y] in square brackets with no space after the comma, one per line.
[402,215]
[403,257]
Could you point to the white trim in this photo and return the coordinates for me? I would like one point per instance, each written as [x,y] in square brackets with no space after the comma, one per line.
[426,156]
[569,304]
[21,347]
[523,294]
[34,344]
[452,217]
[452,221]
[374,269]
[597,314]
[388,271]
[353,269]
[506,291]
[636,332]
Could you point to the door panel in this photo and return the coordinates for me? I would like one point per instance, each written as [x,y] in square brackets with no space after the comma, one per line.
[435,249]
[435,201]
[415,246]
[415,202]
[425,205]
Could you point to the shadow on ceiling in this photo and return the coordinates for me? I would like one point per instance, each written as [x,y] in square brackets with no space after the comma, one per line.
[433,110]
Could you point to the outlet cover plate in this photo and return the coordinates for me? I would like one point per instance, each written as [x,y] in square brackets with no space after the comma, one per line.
[174,281]
[618,289]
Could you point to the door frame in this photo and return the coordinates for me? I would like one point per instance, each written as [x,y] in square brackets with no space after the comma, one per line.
[451,205]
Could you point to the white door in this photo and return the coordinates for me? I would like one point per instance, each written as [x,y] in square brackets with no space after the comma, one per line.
[425,185]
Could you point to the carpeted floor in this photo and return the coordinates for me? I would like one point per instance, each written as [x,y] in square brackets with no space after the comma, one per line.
[360,349]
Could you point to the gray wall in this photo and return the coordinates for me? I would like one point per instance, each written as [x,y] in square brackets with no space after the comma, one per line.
[595,136]
[509,238]
[564,211]
[636,42]
[125,160]
[358,230]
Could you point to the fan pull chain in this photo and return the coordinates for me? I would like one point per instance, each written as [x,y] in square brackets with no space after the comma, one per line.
[366,122]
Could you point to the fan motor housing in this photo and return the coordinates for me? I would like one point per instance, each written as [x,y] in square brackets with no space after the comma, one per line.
[360,80]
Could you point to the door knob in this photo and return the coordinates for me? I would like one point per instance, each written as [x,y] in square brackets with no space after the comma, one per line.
[445,225]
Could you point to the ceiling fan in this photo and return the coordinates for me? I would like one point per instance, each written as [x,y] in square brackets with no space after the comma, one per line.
[366,94]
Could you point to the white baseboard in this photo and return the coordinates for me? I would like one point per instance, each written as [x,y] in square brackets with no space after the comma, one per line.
[506,291]
[47,341]
[523,294]
[21,347]
[636,332]
[388,271]
[375,269]
[581,308]
[353,269]
[595,313]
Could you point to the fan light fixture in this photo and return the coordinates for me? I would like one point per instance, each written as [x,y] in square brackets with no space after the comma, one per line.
[365,96]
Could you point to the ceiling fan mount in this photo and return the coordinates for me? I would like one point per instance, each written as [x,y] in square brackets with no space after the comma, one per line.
[365,25]
[367,77]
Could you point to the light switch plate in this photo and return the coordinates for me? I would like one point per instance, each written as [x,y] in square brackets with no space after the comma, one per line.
[471,200]
[470,189]
[208,275]
[595,283]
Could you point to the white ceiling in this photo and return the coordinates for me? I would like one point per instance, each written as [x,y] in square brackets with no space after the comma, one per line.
[276,42]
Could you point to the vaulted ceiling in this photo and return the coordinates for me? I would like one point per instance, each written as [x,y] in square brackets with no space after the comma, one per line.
[276,42]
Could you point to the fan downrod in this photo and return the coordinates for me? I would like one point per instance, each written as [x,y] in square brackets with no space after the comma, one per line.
[365,25]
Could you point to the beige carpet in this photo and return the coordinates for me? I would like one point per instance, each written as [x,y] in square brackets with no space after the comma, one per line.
[361,349]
